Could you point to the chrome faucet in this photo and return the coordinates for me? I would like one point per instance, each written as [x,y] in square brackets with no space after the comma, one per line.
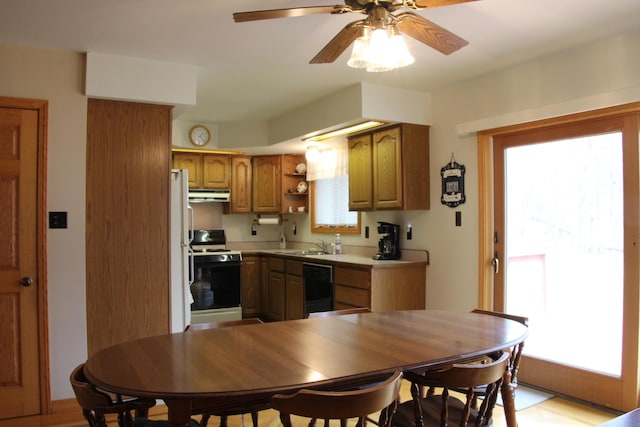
[324,246]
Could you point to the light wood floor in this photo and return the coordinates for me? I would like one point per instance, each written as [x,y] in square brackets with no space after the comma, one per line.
[551,413]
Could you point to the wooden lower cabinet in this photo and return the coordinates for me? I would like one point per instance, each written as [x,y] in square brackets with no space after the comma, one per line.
[250,286]
[380,287]
[276,296]
[350,297]
[388,288]
[276,310]
[294,290]
[282,289]
[264,287]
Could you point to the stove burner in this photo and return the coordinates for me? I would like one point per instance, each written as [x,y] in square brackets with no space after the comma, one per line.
[200,249]
[209,246]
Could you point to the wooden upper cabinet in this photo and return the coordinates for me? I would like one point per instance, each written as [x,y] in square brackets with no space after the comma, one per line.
[216,171]
[191,162]
[387,169]
[212,171]
[415,166]
[240,185]
[360,173]
[267,188]
[398,172]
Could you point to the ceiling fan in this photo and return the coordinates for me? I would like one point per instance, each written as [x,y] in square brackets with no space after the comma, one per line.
[379,15]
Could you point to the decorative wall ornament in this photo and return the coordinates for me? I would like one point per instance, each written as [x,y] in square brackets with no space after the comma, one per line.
[452,183]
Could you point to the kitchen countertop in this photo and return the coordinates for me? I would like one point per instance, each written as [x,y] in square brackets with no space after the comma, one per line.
[337,258]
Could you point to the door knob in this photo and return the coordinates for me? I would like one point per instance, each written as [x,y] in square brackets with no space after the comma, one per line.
[26,281]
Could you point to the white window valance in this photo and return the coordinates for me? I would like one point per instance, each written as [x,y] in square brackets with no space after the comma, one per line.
[331,163]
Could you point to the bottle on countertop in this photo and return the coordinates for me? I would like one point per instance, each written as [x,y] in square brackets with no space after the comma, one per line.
[283,241]
[338,244]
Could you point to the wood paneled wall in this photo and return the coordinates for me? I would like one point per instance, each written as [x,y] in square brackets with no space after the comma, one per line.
[128,166]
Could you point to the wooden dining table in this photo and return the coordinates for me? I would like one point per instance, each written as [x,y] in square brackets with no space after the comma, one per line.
[193,372]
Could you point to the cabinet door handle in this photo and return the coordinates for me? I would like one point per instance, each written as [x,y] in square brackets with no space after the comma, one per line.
[26,281]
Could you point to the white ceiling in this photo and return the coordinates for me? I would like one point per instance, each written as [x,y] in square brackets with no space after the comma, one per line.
[257,70]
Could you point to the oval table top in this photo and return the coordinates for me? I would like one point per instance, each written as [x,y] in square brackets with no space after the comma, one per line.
[264,359]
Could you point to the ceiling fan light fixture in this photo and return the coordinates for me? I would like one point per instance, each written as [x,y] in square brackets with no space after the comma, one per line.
[380,48]
[360,50]
[399,50]
[379,55]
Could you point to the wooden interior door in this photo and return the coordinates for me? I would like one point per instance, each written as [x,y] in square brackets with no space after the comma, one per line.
[23,390]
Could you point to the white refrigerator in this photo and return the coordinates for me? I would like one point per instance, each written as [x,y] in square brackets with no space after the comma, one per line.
[181,232]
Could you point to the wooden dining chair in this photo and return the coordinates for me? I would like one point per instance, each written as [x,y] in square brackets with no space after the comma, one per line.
[516,351]
[96,403]
[241,410]
[355,310]
[342,405]
[510,379]
[510,382]
[444,409]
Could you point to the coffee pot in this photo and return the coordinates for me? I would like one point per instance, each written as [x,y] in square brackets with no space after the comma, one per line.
[389,243]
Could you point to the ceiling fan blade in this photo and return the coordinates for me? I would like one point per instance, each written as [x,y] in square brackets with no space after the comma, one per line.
[429,33]
[286,13]
[338,44]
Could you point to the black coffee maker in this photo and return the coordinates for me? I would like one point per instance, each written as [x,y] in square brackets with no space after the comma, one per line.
[389,244]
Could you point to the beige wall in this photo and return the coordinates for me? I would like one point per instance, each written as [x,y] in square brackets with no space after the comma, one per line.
[601,74]
[56,76]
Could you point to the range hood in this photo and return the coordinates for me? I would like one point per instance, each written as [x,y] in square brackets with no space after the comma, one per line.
[203,196]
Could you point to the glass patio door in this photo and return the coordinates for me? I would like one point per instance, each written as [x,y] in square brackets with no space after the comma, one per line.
[560,218]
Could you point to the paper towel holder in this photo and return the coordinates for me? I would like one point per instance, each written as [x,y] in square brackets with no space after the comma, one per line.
[269,220]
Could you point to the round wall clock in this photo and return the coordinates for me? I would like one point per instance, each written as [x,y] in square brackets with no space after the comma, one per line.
[199,135]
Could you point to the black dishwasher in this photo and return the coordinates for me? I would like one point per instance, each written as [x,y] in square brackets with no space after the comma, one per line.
[318,287]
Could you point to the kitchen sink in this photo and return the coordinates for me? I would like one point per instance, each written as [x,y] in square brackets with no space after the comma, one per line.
[312,253]
[303,253]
